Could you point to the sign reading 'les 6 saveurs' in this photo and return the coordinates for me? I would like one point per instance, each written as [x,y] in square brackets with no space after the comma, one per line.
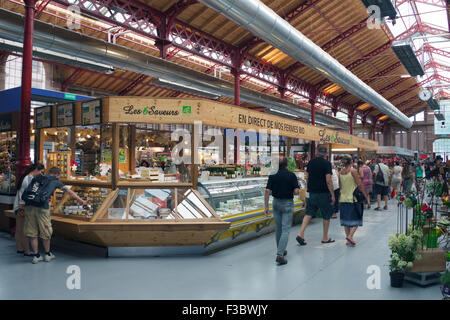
[332,137]
[154,111]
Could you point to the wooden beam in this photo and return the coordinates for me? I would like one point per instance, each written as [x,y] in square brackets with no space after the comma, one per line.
[105,205]
[115,155]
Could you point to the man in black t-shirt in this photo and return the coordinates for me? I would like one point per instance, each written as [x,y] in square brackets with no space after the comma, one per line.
[283,185]
[321,194]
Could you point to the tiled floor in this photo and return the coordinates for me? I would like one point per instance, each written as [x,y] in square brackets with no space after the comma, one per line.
[247,271]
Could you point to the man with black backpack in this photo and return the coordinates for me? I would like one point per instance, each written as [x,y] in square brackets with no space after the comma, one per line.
[381,176]
[37,213]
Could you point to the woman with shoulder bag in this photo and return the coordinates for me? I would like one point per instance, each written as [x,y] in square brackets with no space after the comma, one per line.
[22,244]
[350,207]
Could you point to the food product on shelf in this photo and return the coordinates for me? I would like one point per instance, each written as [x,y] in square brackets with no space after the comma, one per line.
[93,196]
[61,160]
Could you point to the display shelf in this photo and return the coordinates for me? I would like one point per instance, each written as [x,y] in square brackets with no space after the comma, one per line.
[60,160]
[66,206]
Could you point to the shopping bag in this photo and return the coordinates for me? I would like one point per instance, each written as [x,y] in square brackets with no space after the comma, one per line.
[413,188]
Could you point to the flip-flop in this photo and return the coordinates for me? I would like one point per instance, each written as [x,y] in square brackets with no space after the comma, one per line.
[301,241]
[351,241]
[328,241]
[377,209]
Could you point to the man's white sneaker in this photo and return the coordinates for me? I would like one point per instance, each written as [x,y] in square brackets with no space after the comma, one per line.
[36,259]
[49,257]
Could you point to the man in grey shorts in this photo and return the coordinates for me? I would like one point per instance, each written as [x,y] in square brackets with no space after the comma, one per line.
[321,195]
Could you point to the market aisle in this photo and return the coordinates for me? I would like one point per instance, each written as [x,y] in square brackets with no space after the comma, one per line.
[247,271]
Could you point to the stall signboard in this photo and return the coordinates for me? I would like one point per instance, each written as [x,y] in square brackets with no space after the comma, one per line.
[91,112]
[6,122]
[43,117]
[65,115]
[189,111]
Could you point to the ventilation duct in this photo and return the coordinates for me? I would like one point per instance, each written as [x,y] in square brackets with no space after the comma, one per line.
[264,23]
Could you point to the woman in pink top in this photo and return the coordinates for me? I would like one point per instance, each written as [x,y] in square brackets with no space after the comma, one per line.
[366,178]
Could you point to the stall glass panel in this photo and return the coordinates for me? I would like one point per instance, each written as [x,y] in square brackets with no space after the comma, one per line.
[224,196]
[63,205]
[153,153]
[93,152]
[156,204]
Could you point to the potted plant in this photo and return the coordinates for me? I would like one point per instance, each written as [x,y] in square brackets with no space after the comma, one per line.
[445,280]
[404,250]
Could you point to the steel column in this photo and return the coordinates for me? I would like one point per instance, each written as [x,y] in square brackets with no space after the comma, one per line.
[312,101]
[23,159]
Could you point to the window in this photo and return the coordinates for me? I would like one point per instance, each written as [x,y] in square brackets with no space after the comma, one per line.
[442,148]
[13,73]
[358,120]
[364,135]
[379,138]
[418,141]
[401,139]
[342,116]
[420,116]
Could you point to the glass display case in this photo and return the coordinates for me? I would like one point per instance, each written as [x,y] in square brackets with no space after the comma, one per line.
[132,204]
[230,197]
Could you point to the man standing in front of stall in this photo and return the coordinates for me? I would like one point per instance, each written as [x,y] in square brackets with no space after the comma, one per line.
[283,185]
[37,214]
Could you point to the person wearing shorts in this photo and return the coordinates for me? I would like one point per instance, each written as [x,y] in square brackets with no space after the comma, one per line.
[321,195]
[38,222]
[381,188]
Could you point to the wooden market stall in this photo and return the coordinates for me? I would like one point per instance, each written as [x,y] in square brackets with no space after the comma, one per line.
[131,158]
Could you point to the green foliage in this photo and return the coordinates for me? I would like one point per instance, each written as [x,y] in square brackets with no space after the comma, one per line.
[404,250]
[292,165]
[445,278]
[435,188]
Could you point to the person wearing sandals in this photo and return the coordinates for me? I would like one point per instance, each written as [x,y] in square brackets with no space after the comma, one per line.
[381,184]
[22,244]
[321,195]
[351,219]
[366,178]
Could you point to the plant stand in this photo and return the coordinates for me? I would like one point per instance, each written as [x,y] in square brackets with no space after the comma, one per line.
[423,278]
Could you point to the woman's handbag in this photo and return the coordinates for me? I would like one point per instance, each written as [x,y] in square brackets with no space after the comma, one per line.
[358,195]
[359,204]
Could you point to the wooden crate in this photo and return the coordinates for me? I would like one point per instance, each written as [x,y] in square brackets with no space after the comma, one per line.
[433,260]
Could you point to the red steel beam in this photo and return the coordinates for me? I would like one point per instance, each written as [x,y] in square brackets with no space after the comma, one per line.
[360,61]
[379,74]
[71,79]
[145,20]
[419,28]
[436,3]
[417,85]
[133,85]
[436,65]
[41,8]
